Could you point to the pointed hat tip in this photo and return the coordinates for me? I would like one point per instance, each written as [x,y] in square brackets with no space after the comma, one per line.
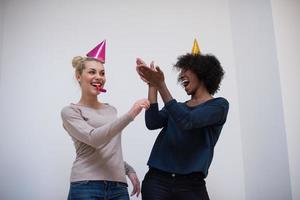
[196,49]
[98,52]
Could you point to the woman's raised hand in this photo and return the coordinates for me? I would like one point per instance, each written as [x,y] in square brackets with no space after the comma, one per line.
[151,75]
[138,106]
[140,63]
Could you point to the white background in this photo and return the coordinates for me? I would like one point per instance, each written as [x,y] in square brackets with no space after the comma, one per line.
[257,42]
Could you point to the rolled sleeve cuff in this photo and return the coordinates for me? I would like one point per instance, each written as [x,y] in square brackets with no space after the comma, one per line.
[170,104]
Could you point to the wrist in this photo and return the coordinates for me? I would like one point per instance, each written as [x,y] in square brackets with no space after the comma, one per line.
[131,114]
[161,86]
[152,88]
[165,93]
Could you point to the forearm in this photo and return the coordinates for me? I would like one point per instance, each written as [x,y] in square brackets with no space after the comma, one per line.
[95,137]
[152,94]
[106,132]
[78,127]
[164,93]
[128,169]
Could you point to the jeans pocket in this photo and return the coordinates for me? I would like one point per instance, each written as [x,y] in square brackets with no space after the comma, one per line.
[80,190]
[119,191]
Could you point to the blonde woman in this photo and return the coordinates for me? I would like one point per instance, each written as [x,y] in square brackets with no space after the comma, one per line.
[98,171]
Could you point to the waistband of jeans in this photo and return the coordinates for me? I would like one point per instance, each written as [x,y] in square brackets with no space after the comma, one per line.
[104,182]
[158,172]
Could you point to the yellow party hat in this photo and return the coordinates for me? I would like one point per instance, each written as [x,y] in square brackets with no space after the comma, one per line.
[196,49]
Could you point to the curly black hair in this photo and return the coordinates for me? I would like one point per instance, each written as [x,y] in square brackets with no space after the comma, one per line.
[207,68]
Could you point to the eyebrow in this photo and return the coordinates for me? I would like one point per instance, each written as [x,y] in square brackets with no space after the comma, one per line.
[94,70]
[180,75]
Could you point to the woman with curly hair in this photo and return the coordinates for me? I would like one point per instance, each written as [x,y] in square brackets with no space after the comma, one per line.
[184,148]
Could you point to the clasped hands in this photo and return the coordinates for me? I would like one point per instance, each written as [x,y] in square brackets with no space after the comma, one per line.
[151,75]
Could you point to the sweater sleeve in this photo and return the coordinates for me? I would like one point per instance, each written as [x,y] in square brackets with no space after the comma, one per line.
[154,118]
[202,116]
[77,127]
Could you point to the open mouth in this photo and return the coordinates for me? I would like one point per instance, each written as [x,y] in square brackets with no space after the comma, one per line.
[96,85]
[99,87]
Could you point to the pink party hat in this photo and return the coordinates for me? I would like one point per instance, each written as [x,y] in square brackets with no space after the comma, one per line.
[98,52]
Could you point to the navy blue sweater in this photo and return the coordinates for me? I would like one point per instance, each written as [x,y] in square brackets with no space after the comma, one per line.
[186,142]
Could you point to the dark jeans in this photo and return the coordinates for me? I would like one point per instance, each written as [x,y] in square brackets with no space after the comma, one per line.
[159,185]
[98,190]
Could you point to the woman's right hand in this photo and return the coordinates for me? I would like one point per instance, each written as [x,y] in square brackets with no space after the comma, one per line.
[138,106]
[153,76]
[140,62]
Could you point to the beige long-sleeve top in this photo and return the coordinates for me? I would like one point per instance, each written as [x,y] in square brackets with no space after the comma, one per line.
[96,134]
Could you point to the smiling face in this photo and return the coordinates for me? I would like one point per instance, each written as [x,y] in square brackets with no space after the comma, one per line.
[189,81]
[92,76]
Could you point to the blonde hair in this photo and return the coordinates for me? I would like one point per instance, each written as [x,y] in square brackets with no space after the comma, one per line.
[78,63]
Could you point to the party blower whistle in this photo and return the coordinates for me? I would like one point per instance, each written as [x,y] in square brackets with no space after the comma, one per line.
[100,89]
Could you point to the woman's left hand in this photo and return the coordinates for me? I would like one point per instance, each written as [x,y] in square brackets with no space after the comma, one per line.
[135,184]
[151,75]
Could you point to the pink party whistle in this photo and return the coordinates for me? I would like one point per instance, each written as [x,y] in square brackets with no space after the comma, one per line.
[100,88]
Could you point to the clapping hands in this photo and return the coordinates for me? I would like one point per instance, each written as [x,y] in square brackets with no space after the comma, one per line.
[151,75]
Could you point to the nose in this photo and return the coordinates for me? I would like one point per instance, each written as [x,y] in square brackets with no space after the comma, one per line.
[97,76]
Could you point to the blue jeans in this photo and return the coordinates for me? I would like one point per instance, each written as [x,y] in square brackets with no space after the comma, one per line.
[98,190]
[159,185]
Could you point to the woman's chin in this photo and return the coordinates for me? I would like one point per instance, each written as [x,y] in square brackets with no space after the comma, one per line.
[187,91]
[94,93]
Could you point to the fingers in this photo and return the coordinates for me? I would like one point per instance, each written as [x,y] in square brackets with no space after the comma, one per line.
[141,74]
[142,65]
[149,74]
[143,77]
[144,73]
[145,105]
[158,69]
[144,101]
[138,106]
[136,189]
[139,61]
[152,64]
[142,70]
[133,190]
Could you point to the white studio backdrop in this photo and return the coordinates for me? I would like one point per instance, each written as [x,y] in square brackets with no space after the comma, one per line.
[40,38]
